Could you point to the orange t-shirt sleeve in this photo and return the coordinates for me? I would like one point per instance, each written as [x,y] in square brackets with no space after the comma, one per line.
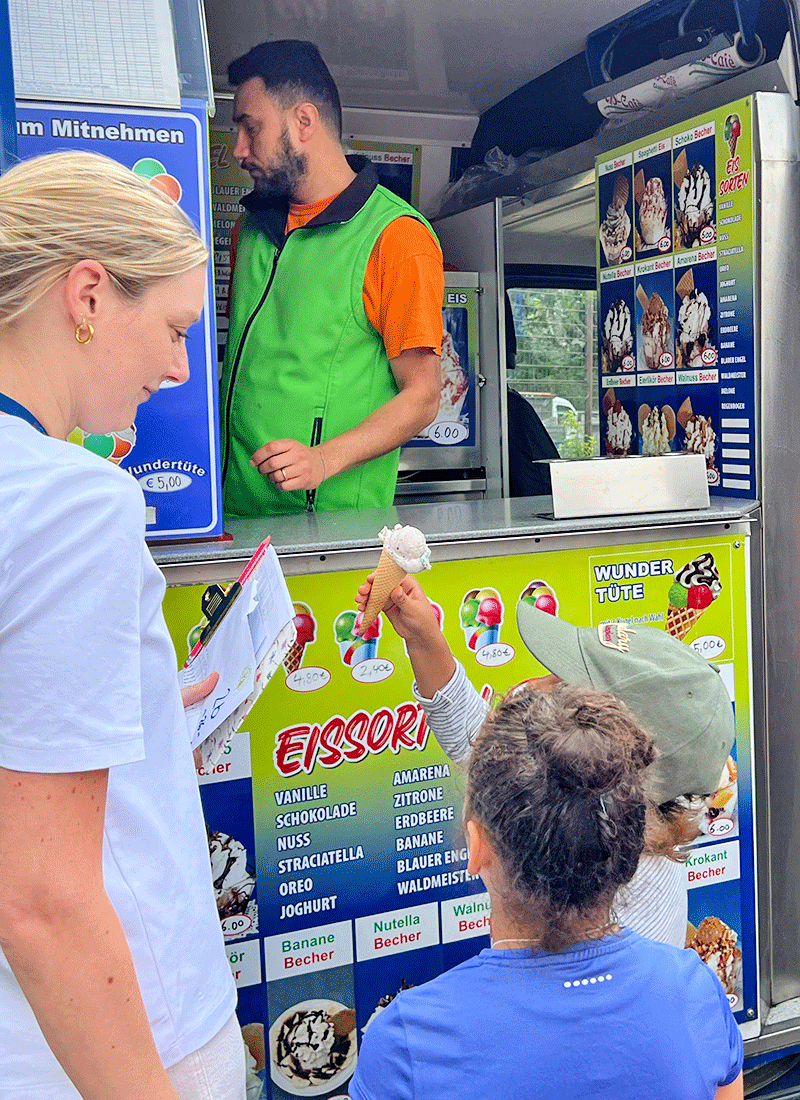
[404,288]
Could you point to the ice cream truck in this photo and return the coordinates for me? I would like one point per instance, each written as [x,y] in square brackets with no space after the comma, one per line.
[616,190]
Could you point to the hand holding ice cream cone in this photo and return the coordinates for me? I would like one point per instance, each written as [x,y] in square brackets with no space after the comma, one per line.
[404,551]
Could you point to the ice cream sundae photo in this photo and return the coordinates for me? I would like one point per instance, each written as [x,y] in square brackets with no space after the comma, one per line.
[719,817]
[656,330]
[656,428]
[454,381]
[619,430]
[694,589]
[385,1001]
[694,206]
[694,336]
[716,944]
[615,228]
[232,876]
[653,210]
[313,1047]
[700,437]
[617,338]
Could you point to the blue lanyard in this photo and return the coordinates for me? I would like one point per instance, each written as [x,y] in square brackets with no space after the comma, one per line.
[8,405]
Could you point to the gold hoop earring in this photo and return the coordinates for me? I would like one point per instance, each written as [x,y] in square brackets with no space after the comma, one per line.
[84,331]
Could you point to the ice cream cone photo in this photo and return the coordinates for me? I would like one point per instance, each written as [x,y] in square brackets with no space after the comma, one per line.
[404,551]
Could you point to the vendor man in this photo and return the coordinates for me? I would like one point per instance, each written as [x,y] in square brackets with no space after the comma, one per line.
[335,330]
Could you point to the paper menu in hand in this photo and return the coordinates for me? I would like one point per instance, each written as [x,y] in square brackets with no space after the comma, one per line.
[250,642]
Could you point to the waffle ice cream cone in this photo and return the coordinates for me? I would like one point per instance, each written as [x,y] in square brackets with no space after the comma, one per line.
[387,578]
[680,168]
[680,620]
[404,551]
[685,413]
[622,189]
[732,144]
[685,284]
[294,658]
[638,185]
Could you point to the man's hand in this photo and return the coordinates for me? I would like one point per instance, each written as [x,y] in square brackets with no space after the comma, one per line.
[290,465]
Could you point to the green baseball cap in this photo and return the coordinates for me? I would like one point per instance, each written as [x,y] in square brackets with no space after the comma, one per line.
[678,697]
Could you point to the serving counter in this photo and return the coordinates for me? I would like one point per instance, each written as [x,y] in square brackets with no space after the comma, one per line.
[339,864]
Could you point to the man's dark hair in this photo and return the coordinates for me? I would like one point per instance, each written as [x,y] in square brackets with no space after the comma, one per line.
[293,72]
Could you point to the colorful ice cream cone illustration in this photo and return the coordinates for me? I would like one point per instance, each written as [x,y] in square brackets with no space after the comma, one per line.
[115,446]
[404,551]
[306,627]
[695,588]
[732,132]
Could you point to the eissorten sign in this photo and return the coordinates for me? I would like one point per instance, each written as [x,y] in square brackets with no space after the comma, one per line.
[171,449]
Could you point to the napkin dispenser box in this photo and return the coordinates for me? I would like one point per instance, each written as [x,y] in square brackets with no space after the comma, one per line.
[629,485]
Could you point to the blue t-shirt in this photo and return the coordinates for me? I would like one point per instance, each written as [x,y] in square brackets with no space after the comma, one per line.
[622,1019]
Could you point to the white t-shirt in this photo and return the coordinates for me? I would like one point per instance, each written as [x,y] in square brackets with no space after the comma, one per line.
[88,680]
[654,903]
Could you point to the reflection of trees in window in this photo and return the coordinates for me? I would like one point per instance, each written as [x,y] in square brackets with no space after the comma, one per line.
[553,327]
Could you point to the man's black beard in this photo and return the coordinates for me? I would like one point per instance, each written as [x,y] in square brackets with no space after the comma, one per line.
[282,180]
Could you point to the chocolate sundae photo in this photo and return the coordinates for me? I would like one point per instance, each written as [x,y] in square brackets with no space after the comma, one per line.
[652,205]
[312,1047]
[700,436]
[694,332]
[718,946]
[615,228]
[657,427]
[694,196]
[618,436]
[617,338]
[654,325]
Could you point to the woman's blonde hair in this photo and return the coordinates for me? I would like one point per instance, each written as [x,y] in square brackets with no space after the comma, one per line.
[61,208]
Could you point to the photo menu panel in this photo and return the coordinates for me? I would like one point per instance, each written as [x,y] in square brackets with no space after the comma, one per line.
[675,248]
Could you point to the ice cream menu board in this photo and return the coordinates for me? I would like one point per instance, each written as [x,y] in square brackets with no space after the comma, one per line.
[340,868]
[675,260]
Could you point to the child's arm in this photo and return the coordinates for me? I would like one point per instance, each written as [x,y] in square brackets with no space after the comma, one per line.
[454,709]
[410,613]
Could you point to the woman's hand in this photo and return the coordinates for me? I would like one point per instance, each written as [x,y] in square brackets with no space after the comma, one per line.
[195,692]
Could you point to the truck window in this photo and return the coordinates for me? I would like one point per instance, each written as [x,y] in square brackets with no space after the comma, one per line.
[556,363]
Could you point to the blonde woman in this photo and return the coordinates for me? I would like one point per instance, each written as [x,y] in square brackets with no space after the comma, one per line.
[114,983]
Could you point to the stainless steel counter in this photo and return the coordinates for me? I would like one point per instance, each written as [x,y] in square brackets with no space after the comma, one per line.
[332,541]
